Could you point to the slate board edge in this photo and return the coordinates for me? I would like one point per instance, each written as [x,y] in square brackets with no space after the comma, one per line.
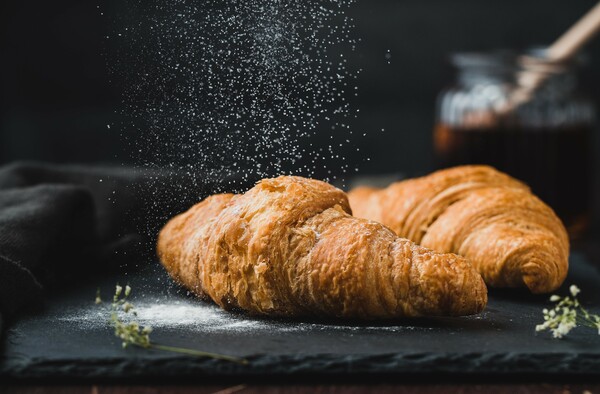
[503,364]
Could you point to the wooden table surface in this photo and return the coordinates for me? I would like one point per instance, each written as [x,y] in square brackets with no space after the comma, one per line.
[302,389]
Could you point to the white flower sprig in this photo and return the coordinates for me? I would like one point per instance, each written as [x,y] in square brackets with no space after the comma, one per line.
[566,315]
[132,334]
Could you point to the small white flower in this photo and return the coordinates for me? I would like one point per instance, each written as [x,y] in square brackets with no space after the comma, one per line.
[556,334]
[574,290]
[563,329]
[563,317]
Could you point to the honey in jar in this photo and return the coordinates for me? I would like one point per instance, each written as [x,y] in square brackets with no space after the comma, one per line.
[545,141]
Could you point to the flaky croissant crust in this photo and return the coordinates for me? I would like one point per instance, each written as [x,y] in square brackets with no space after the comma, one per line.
[510,235]
[289,247]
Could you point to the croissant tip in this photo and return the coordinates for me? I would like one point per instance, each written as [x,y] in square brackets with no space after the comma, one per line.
[478,302]
[541,287]
[544,274]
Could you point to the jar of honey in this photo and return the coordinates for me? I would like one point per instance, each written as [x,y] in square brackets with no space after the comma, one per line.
[543,140]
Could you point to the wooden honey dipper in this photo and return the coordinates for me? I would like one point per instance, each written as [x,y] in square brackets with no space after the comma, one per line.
[559,52]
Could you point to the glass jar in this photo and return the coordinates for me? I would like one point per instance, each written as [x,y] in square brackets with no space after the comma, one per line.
[543,139]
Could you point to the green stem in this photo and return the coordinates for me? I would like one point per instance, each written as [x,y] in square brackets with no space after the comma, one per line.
[587,322]
[198,353]
[587,318]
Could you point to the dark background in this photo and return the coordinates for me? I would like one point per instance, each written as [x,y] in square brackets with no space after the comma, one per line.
[56,98]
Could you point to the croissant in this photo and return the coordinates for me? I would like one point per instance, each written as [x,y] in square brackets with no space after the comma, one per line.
[289,247]
[510,236]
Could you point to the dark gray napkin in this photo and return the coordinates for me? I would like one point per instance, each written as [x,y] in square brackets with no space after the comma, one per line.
[60,222]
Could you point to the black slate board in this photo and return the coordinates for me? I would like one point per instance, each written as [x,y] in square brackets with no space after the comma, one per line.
[70,338]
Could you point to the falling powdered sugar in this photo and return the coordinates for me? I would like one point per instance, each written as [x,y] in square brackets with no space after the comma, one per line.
[222,93]
[259,87]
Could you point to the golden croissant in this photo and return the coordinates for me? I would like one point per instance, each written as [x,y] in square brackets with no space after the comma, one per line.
[511,236]
[289,247]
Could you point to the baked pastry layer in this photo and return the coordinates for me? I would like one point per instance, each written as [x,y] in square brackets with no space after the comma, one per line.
[290,247]
[510,235]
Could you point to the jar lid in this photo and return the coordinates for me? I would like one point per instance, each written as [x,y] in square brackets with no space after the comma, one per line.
[491,59]
[505,60]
